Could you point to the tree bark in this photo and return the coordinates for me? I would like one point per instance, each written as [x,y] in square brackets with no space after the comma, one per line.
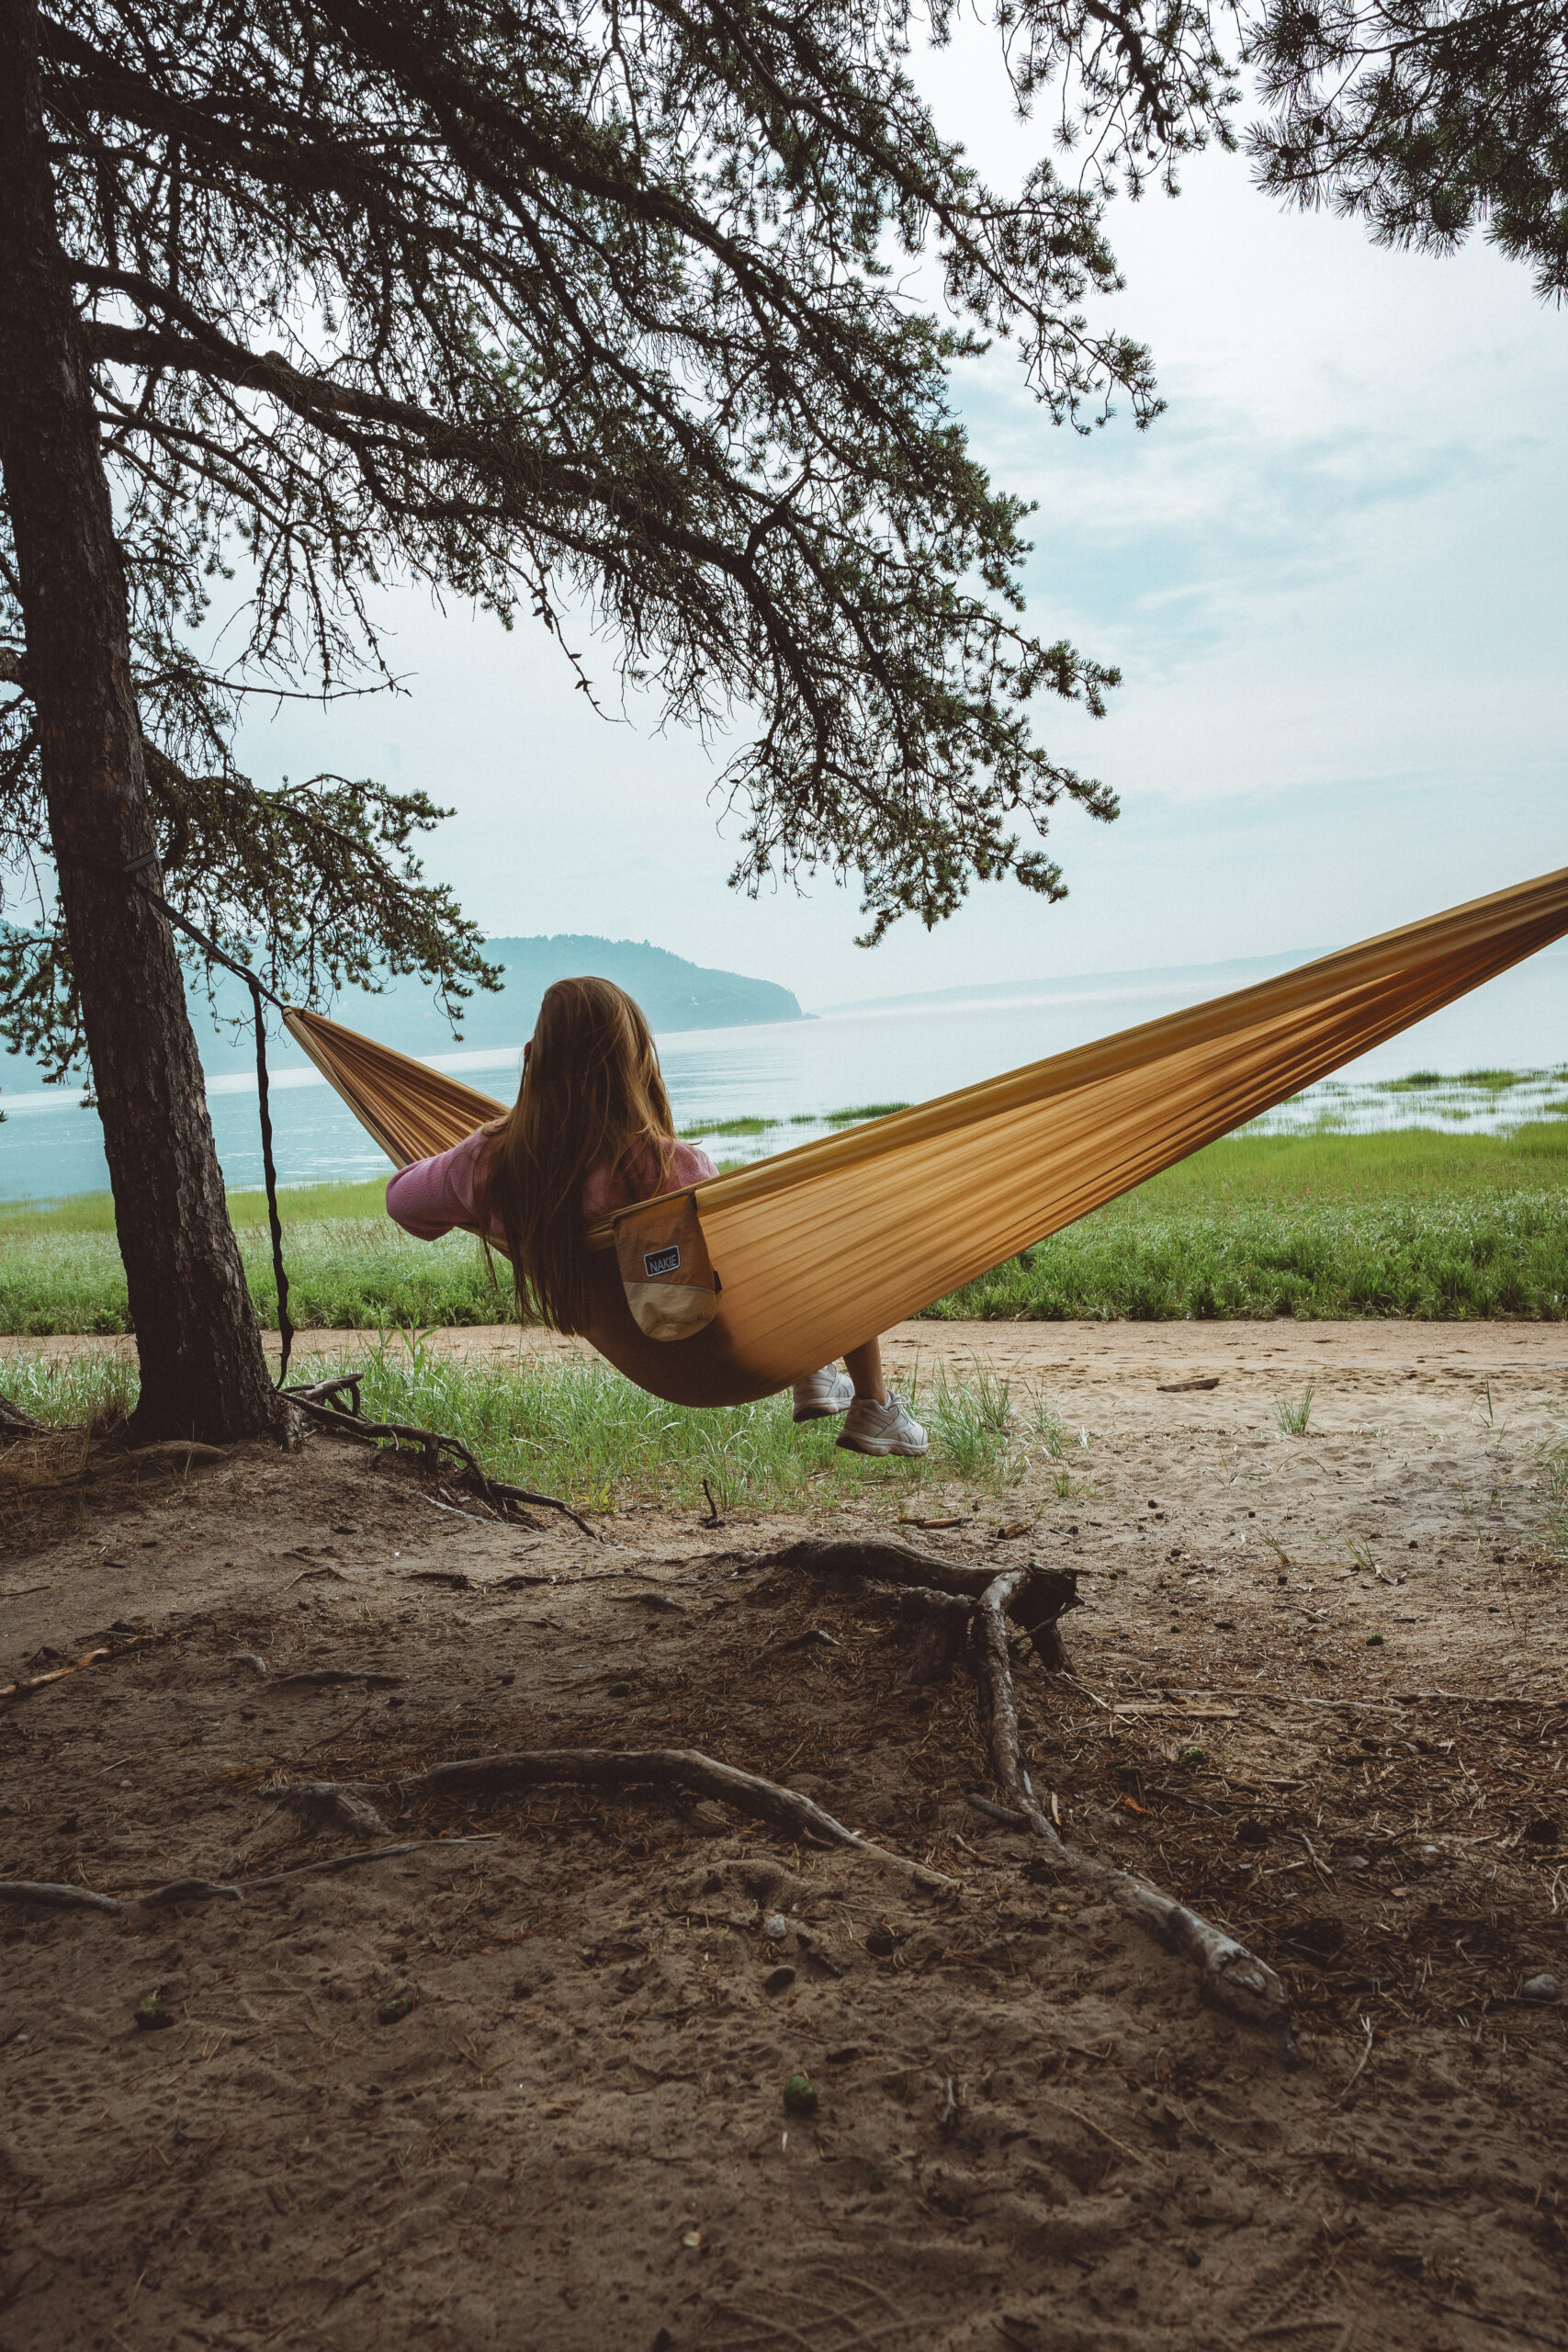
[203,1374]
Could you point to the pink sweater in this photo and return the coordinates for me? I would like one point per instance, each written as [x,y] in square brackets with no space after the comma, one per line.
[430,1197]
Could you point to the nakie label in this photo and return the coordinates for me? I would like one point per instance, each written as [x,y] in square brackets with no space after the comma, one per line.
[660,1261]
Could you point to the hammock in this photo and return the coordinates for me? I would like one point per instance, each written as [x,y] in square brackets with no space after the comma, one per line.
[826,1246]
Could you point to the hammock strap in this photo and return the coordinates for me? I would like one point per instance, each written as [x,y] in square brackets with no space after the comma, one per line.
[259,990]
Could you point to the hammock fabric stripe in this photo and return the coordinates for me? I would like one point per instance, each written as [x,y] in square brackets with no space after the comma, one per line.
[824,1245]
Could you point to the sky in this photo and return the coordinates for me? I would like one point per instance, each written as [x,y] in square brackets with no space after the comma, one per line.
[1334,574]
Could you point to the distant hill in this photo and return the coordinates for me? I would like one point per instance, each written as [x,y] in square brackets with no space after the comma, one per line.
[673,993]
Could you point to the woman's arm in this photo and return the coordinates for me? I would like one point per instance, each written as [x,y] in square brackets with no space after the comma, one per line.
[430,1197]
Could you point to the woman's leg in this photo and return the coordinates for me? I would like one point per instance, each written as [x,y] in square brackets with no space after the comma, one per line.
[865,1368]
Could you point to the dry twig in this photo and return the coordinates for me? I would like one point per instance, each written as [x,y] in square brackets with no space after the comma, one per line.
[24,1688]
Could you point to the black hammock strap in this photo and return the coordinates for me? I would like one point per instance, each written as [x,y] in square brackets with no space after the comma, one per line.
[259,990]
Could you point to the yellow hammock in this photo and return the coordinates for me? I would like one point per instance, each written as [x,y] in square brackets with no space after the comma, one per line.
[824,1245]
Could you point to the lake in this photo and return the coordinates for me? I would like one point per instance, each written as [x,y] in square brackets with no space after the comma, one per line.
[793,1073]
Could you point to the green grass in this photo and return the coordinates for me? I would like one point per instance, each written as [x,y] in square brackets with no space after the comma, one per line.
[1292,1419]
[1553,1489]
[1409,1223]
[580,1431]
[1414,1223]
[343,1274]
[304,1205]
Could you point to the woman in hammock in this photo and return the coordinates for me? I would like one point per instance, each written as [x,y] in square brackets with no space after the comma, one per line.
[592,1131]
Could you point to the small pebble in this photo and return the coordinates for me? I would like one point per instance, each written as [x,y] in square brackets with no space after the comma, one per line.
[775,1927]
[1355,1862]
[778,1980]
[1543,1987]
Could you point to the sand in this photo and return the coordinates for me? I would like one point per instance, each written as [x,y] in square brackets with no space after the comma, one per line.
[1030,2131]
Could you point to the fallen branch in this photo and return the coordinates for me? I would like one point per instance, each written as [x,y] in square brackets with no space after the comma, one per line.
[14,1422]
[21,1891]
[1243,1983]
[668,1768]
[319,1401]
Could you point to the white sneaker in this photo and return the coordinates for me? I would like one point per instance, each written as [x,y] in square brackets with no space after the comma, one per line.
[822,1394]
[881,1429]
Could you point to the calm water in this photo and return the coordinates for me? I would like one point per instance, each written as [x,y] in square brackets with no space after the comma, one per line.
[797,1072]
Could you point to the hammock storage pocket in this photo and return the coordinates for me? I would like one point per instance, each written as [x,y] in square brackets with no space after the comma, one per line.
[666,1273]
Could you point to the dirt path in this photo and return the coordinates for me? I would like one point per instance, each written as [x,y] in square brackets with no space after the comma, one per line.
[1318,1688]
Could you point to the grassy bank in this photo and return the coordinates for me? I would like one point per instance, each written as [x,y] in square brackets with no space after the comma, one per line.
[1408,1223]
[1411,1223]
[578,1429]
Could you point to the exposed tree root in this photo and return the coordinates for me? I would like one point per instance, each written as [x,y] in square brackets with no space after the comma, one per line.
[668,1768]
[56,1898]
[1034,1597]
[20,1891]
[1037,1596]
[320,1401]
[1235,1976]
[177,1454]
[957,1604]
[61,1459]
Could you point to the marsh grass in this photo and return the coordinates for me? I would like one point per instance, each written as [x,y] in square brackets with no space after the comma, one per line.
[580,1431]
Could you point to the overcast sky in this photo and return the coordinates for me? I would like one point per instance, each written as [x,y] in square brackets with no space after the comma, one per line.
[1333,573]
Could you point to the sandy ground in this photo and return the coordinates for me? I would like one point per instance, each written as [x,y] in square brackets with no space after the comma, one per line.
[570,2131]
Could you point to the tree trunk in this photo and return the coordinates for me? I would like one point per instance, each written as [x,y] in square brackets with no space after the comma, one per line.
[203,1374]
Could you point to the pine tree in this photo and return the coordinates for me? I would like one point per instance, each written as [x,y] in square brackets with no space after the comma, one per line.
[561,309]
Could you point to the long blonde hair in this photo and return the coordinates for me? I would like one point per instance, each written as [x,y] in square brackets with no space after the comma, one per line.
[591,1095]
